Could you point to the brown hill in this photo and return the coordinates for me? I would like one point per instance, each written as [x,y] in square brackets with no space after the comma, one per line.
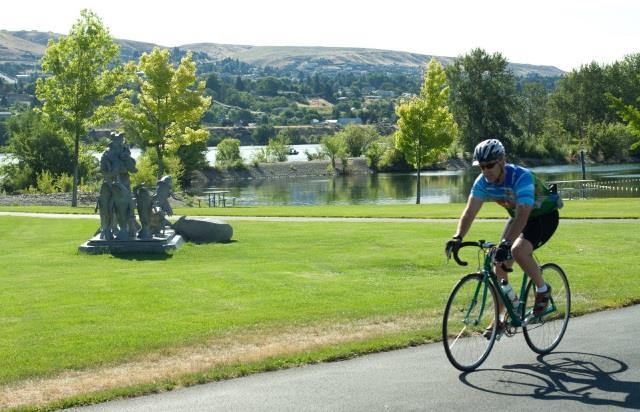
[29,46]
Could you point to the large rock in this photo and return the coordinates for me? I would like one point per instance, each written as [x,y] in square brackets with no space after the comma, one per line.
[203,230]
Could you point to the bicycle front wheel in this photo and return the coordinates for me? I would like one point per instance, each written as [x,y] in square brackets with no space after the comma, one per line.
[545,333]
[469,324]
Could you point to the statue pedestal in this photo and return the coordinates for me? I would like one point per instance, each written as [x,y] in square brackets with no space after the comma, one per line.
[158,244]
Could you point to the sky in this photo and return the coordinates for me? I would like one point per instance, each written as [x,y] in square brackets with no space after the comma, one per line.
[561,33]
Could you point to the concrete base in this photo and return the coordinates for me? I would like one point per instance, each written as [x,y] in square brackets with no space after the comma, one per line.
[158,244]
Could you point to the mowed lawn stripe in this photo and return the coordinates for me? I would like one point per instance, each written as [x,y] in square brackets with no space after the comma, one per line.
[64,310]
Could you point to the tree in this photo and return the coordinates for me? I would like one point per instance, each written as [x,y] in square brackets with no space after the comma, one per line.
[228,153]
[358,138]
[262,134]
[216,85]
[36,147]
[483,98]
[580,100]
[164,111]
[78,79]
[192,158]
[630,114]
[425,125]
[334,147]
[534,101]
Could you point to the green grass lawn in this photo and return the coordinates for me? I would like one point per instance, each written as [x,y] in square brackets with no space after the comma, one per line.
[589,208]
[65,310]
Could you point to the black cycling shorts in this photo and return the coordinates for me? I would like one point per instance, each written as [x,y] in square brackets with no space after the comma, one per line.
[540,229]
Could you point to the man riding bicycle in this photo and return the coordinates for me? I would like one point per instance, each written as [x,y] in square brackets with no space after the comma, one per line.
[533,208]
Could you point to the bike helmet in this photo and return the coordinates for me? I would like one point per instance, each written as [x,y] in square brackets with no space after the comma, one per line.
[487,151]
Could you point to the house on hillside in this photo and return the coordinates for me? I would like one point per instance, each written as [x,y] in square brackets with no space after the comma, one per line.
[21,98]
[343,121]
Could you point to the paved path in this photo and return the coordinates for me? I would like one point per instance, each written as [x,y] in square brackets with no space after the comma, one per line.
[310,219]
[595,368]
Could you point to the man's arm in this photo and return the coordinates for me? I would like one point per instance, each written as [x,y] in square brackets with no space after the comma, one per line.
[519,222]
[468,215]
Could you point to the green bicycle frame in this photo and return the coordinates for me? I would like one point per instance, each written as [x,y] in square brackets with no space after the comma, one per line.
[488,275]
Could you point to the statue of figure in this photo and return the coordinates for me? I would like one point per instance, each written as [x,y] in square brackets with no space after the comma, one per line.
[144,205]
[163,192]
[116,200]
[161,206]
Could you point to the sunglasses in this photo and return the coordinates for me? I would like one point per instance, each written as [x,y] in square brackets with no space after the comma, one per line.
[488,166]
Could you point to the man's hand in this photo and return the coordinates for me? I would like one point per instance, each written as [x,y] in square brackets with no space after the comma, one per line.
[503,252]
[452,246]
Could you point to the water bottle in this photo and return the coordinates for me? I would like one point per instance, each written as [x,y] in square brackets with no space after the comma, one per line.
[510,293]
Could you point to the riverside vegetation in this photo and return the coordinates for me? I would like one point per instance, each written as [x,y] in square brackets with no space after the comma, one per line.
[593,108]
[151,325]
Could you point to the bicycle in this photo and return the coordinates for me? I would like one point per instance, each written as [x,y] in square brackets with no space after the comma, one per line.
[472,311]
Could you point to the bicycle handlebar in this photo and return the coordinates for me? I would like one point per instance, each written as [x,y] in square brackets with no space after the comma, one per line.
[482,244]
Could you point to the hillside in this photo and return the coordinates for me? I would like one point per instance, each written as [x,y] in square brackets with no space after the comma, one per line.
[25,47]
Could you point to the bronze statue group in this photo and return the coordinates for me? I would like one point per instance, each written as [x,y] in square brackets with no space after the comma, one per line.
[117,201]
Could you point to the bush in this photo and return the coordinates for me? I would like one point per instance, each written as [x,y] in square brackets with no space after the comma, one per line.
[64,183]
[317,155]
[374,154]
[228,153]
[147,166]
[278,148]
[358,138]
[45,183]
[16,177]
[192,157]
[259,156]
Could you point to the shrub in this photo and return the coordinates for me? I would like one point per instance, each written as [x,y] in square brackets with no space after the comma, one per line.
[45,183]
[147,165]
[64,183]
[374,154]
[278,148]
[228,153]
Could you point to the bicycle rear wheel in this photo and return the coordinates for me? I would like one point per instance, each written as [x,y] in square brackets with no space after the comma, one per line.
[545,333]
[471,309]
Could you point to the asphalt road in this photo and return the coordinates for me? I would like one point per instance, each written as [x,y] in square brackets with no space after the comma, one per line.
[596,367]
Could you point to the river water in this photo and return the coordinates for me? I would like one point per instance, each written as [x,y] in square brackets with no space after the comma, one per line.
[436,187]
[621,180]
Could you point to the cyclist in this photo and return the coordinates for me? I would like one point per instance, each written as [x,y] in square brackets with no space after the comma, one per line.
[533,208]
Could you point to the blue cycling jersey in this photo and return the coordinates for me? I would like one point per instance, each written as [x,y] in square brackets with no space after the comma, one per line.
[520,187]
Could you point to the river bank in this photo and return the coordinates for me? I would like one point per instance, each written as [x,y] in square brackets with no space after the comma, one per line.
[50,199]
[315,168]
[296,183]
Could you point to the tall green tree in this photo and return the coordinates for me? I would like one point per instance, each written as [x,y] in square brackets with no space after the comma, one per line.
[630,114]
[580,100]
[533,103]
[78,79]
[163,111]
[425,125]
[483,98]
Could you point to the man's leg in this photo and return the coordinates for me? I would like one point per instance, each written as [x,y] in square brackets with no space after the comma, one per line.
[522,251]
